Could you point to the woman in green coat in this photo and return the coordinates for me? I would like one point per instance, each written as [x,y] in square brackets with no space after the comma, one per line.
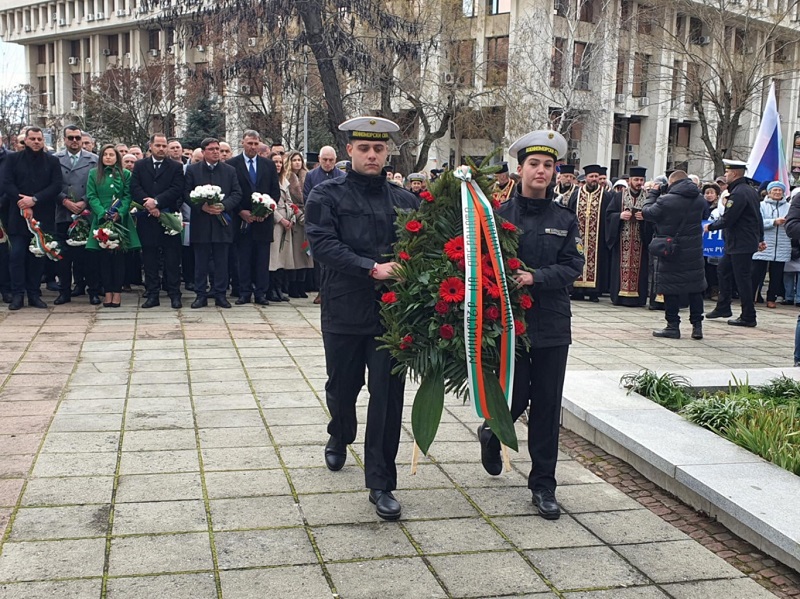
[107,184]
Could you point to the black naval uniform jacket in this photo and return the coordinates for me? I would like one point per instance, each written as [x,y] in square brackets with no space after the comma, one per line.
[551,246]
[350,224]
[741,224]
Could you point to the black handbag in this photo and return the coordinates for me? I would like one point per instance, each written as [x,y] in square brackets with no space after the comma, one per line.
[665,247]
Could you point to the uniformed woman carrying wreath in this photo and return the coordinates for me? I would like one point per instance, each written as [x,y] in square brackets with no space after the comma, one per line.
[551,248]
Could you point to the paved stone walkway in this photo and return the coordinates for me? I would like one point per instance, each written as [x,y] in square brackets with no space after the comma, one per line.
[158,454]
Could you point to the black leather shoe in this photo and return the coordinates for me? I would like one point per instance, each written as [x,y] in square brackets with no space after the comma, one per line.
[284,297]
[670,332]
[222,302]
[273,296]
[335,455]
[188,286]
[176,303]
[262,300]
[718,314]
[151,302]
[697,331]
[52,286]
[302,294]
[490,450]
[94,300]
[7,298]
[386,506]
[200,302]
[738,322]
[78,291]
[63,298]
[243,299]
[36,302]
[545,502]
[16,302]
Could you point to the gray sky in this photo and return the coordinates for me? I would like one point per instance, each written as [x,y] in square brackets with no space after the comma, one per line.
[12,64]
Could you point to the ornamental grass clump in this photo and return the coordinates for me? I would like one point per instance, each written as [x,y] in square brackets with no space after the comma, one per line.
[424,310]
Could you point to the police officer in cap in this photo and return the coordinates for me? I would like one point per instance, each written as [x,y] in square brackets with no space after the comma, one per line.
[350,223]
[743,233]
[552,251]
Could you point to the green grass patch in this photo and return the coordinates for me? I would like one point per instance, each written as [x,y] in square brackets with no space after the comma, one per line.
[763,419]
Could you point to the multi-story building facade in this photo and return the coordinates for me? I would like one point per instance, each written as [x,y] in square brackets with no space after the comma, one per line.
[620,77]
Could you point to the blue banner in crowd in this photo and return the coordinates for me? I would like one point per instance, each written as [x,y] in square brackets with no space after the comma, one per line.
[713,246]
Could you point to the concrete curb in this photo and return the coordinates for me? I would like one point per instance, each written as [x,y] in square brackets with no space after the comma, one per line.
[756,500]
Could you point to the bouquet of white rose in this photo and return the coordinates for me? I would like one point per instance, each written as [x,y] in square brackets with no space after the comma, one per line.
[211,195]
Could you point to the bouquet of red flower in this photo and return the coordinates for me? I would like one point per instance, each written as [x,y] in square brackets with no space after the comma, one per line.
[451,319]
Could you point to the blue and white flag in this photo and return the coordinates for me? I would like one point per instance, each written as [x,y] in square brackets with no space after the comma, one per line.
[767,160]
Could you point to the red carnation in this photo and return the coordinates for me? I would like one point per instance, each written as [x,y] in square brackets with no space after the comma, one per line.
[455,248]
[508,226]
[526,302]
[389,297]
[452,290]
[492,312]
[404,256]
[496,204]
[446,331]
[427,196]
[406,342]
[492,289]
[413,226]
[514,263]
[441,307]
[519,327]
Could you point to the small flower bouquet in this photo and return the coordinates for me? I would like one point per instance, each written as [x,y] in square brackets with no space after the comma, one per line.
[45,245]
[211,195]
[79,230]
[109,236]
[171,221]
[263,205]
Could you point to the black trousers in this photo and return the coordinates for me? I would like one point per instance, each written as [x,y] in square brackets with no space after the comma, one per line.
[112,270]
[151,259]
[187,264]
[203,254]
[346,357]
[672,305]
[26,269]
[78,264]
[253,265]
[539,383]
[5,271]
[776,288]
[737,267]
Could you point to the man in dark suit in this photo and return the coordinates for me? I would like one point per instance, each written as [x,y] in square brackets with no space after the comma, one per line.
[75,166]
[157,184]
[253,236]
[209,237]
[5,272]
[32,181]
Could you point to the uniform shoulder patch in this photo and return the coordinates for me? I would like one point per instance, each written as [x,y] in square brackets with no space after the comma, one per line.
[729,203]
[579,245]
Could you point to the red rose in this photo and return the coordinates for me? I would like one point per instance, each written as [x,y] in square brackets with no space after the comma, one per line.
[389,297]
[404,256]
[526,302]
[406,342]
[492,312]
[514,263]
[446,331]
[452,290]
[461,265]
[413,226]
[427,196]
[441,307]
[519,327]
[508,226]
[455,248]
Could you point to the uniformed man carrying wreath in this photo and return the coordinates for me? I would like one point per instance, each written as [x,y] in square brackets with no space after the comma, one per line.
[350,225]
[551,248]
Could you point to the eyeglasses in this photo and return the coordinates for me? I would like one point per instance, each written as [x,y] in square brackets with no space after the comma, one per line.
[74,137]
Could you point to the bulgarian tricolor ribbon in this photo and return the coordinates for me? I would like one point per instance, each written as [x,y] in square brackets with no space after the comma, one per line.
[39,239]
[479,226]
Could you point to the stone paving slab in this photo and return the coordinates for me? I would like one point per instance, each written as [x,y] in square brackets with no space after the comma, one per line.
[180,455]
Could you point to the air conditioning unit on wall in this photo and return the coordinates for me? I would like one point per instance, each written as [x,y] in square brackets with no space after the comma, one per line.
[644,102]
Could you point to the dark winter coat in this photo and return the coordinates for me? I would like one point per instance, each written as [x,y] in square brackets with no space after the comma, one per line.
[205,227]
[551,246]
[685,272]
[793,219]
[36,174]
[165,186]
[350,224]
[266,182]
[741,224]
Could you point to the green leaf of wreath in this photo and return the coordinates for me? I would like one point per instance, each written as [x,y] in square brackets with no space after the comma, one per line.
[427,411]
[500,422]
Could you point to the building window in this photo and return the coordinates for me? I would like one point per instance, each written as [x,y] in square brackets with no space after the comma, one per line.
[462,63]
[113,44]
[695,29]
[777,93]
[557,62]
[693,87]
[645,24]
[581,65]
[75,48]
[739,37]
[586,11]
[680,27]
[77,87]
[41,54]
[634,132]
[153,42]
[126,43]
[561,7]
[683,135]
[41,85]
[467,6]
[496,60]
[641,63]
[622,71]
[619,133]
[676,84]
[625,15]
[497,7]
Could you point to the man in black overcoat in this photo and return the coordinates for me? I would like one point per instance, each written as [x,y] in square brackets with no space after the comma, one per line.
[210,238]
[157,184]
[253,236]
